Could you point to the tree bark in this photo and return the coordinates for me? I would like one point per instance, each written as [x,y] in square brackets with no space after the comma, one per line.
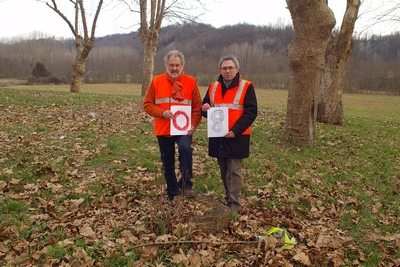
[330,106]
[150,25]
[82,49]
[77,76]
[148,66]
[313,22]
[83,45]
[148,32]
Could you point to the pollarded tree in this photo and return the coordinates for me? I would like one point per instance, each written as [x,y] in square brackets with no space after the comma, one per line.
[150,25]
[330,106]
[83,44]
[313,22]
[152,14]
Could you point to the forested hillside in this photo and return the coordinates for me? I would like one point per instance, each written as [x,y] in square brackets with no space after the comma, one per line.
[374,65]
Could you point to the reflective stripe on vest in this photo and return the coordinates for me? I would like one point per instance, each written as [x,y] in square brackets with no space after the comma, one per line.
[235,104]
[170,100]
[164,100]
[235,95]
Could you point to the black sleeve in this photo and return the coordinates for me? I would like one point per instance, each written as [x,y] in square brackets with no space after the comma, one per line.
[206,99]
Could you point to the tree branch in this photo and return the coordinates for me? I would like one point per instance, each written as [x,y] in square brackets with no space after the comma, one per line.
[96,18]
[192,242]
[55,8]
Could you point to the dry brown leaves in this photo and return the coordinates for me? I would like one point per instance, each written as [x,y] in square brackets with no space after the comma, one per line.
[128,217]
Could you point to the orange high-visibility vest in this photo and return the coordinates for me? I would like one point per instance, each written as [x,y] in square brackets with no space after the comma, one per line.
[233,99]
[163,99]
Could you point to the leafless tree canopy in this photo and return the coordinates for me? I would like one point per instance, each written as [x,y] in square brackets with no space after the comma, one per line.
[372,67]
[84,37]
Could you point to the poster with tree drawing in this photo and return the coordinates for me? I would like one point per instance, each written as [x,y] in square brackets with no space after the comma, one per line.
[217,121]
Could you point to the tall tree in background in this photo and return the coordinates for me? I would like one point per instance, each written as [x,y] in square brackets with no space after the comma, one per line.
[150,25]
[313,22]
[152,14]
[330,106]
[83,45]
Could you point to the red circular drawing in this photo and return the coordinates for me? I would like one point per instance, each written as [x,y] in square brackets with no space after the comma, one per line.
[176,114]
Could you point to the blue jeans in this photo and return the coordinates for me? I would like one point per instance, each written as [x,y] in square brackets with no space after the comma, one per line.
[167,150]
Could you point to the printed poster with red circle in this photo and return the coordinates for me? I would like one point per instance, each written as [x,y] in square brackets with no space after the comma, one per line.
[181,122]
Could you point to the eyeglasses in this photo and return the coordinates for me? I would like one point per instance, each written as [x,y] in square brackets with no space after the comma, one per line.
[228,68]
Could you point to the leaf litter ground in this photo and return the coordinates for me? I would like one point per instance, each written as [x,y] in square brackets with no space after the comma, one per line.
[99,217]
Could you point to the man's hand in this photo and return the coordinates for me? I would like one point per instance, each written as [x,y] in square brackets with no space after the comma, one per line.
[230,134]
[191,131]
[167,114]
[205,107]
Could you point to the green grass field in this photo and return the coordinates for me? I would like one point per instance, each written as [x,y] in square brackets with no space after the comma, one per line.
[381,107]
[81,182]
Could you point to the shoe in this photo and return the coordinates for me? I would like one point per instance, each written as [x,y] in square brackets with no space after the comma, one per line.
[170,198]
[189,193]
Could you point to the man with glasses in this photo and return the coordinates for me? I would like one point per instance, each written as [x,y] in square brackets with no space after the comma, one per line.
[174,88]
[239,96]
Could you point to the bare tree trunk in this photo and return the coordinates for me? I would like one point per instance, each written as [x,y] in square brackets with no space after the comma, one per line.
[83,45]
[77,76]
[313,22]
[152,14]
[149,56]
[150,25]
[83,49]
[330,106]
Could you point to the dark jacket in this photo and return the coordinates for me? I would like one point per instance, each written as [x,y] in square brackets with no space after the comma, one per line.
[238,147]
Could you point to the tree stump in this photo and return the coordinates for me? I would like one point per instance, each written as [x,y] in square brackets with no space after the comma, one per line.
[215,220]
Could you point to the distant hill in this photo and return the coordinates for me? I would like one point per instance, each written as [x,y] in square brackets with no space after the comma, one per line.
[261,50]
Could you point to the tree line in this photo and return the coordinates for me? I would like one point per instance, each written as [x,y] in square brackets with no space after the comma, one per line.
[373,66]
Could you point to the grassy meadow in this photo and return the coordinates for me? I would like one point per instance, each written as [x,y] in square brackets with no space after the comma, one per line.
[81,185]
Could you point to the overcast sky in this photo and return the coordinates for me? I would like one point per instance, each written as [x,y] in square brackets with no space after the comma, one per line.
[23,18]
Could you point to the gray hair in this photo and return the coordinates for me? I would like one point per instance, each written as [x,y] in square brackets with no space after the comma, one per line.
[175,53]
[229,57]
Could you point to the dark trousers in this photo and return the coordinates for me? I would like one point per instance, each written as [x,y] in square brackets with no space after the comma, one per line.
[231,174]
[167,150]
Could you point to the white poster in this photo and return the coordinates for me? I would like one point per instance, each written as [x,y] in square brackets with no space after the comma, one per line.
[217,121]
[182,120]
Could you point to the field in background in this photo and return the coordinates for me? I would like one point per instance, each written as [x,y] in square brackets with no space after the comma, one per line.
[381,107]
